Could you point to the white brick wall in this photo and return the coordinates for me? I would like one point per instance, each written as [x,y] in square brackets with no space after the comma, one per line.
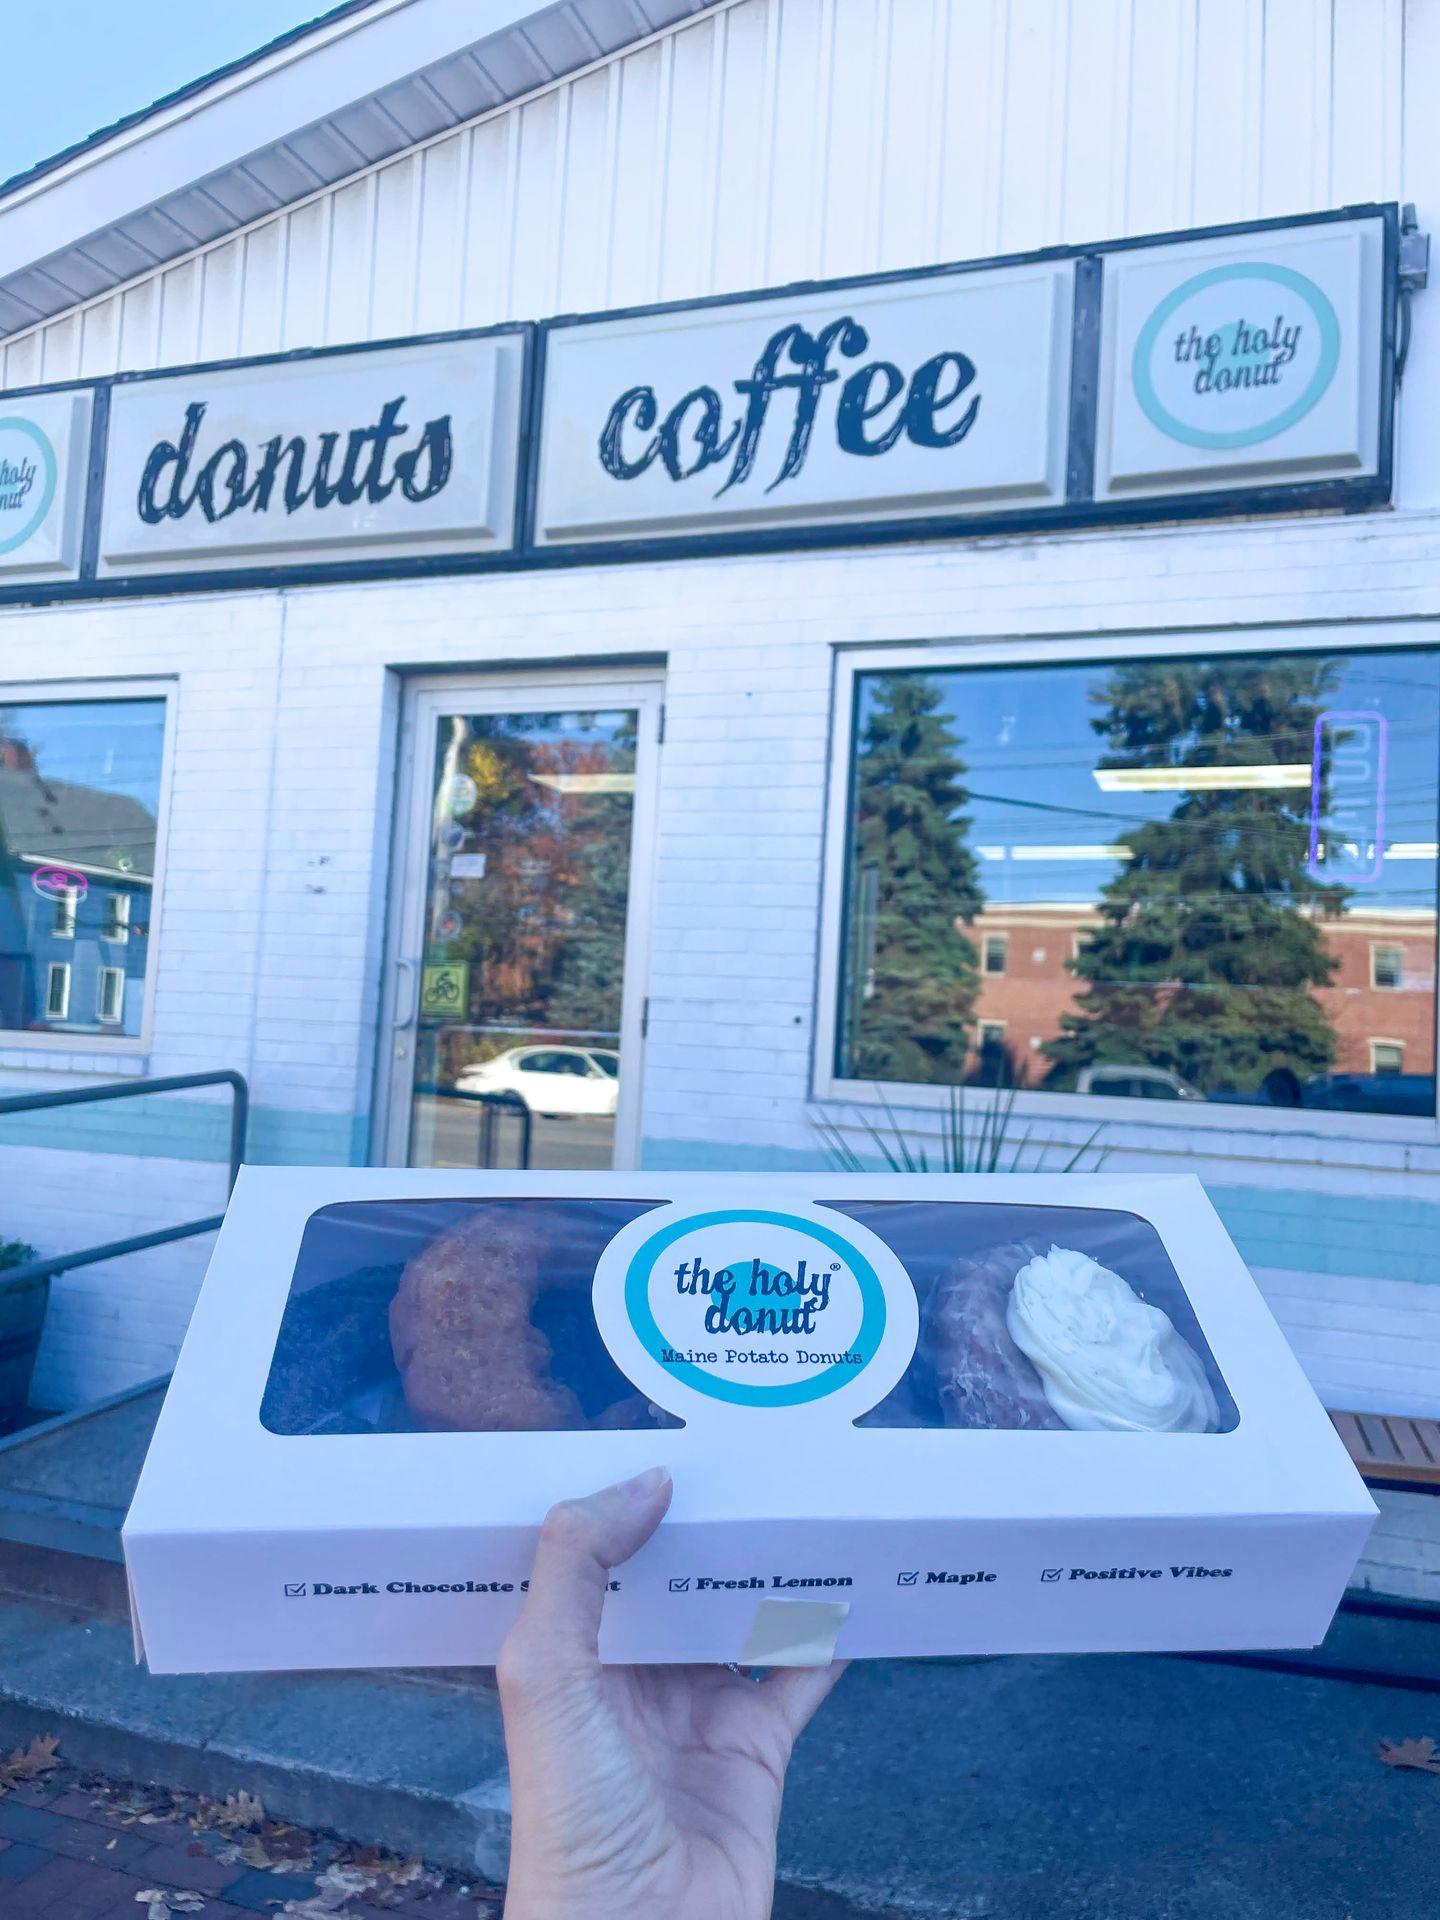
[671,173]
[272,920]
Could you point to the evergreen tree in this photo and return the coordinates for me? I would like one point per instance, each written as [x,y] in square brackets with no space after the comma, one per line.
[1211,944]
[913,975]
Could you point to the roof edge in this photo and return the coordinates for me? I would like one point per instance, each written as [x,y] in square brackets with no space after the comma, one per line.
[92,142]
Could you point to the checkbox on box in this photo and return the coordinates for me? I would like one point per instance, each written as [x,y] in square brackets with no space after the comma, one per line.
[680,1586]
[1051,1573]
[295,1589]
[906,1579]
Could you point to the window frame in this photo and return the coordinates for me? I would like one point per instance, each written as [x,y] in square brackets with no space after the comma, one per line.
[1373,1041]
[1117,1112]
[67,914]
[93,692]
[117,935]
[1377,947]
[67,971]
[103,973]
[1002,941]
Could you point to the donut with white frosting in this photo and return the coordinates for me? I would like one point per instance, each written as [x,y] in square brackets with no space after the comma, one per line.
[1107,1360]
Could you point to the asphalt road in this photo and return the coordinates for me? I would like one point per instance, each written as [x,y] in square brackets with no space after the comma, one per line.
[1111,1788]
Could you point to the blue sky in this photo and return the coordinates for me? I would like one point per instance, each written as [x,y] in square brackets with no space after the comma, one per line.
[74,65]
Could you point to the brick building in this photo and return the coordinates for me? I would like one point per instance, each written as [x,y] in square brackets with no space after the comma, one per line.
[1378,1001]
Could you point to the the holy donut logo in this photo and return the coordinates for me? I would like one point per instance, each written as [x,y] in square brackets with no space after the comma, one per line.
[28,472]
[754,1307]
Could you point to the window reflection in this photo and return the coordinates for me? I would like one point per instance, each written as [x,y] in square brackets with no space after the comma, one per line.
[79,793]
[1200,878]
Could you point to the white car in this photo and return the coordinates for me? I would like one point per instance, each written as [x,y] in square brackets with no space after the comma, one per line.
[551,1081]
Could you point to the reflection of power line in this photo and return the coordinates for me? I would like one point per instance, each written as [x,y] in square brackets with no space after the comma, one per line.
[1053,806]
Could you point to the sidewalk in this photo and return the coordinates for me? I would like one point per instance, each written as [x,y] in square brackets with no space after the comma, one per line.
[78,1847]
[1098,1788]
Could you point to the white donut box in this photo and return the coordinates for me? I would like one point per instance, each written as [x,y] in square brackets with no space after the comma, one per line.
[795,1533]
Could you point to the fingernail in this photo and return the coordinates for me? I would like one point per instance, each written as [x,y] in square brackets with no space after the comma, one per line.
[645,1485]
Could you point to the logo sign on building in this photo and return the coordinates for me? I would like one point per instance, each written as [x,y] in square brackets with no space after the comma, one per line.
[353,457]
[946,395]
[1241,361]
[44,449]
[57,883]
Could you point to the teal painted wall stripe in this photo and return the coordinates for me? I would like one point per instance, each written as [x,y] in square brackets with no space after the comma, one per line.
[1332,1233]
[168,1127]
[1339,1233]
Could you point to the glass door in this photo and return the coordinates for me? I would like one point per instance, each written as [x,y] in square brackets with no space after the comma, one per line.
[516,984]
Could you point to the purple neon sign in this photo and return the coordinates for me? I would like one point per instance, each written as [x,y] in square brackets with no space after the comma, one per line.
[1347,842]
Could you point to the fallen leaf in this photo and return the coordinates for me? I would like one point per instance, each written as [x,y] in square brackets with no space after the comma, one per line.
[235,1811]
[1419,1754]
[161,1902]
[274,1848]
[138,1806]
[28,1763]
[333,1888]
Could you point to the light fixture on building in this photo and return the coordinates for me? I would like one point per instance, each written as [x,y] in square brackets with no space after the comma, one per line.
[1046,852]
[1293,773]
[586,782]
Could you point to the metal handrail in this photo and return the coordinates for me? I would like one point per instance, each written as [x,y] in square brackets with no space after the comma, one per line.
[492,1104]
[129,1090]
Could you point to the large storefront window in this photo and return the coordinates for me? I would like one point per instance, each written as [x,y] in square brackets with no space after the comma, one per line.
[79,798]
[1202,878]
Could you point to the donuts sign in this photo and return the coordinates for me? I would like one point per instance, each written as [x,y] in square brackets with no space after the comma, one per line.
[754,1308]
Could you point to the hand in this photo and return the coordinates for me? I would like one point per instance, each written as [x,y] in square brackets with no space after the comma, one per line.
[636,1791]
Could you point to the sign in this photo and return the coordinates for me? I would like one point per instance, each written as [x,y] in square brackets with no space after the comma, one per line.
[756,1307]
[44,447]
[1240,370]
[944,395]
[1347,798]
[444,990]
[55,883]
[355,456]
[1242,360]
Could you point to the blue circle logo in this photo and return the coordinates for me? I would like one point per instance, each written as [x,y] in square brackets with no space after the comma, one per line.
[839,1273]
[28,475]
[1197,361]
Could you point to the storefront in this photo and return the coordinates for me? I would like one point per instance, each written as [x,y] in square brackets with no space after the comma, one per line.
[748,709]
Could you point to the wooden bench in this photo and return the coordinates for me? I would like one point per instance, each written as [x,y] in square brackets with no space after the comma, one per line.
[1393,1450]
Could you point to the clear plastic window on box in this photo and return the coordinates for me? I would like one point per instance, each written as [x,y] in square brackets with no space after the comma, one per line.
[477,1316]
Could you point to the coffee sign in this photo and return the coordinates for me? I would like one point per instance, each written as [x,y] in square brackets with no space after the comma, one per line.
[44,445]
[347,457]
[1246,369]
[1247,360]
[943,395]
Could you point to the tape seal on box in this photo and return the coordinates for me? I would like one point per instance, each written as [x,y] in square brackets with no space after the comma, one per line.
[794,1633]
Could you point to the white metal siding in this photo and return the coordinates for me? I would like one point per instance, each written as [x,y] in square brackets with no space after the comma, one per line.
[776,140]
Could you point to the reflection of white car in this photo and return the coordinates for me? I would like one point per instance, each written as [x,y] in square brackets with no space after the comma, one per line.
[1138,1083]
[551,1080]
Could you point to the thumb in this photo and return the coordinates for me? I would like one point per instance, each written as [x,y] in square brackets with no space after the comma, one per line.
[581,1540]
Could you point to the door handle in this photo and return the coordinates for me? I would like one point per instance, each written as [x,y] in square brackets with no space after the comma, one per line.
[405,996]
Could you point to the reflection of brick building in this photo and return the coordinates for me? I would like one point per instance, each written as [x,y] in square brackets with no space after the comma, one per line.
[1380,1001]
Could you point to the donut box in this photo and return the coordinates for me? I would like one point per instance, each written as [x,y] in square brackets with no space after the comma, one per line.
[905,1415]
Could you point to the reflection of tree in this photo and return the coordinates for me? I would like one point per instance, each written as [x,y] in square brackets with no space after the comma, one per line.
[1210,946]
[544,929]
[913,975]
